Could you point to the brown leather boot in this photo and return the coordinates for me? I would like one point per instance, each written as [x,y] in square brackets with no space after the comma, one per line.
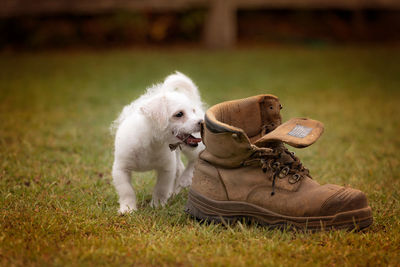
[247,172]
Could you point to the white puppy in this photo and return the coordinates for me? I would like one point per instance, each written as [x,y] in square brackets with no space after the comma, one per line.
[151,132]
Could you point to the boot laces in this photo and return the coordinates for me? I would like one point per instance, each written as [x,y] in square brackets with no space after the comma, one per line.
[281,162]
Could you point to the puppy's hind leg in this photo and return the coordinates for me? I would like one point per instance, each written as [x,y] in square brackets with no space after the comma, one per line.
[122,183]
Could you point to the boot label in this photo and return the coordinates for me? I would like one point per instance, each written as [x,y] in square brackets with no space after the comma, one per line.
[300,131]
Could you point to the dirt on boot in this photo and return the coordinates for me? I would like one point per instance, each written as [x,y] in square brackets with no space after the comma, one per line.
[246,172]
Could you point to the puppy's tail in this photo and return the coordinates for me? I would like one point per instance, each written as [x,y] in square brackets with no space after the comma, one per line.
[182,83]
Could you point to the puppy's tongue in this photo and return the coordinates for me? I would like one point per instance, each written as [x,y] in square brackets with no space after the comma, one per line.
[191,140]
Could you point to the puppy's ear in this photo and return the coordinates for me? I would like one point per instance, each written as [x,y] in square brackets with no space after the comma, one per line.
[181,83]
[157,110]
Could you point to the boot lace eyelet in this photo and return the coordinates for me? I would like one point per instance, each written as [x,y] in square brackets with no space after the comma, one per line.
[294,178]
[275,165]
[284,172]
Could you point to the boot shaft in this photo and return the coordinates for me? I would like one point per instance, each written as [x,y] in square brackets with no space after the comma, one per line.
[235,130]
[255,116]
[232,126]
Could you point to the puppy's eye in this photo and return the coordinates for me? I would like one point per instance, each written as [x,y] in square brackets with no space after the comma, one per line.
[179,114]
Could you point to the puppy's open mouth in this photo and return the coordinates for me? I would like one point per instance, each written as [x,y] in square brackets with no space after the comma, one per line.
[189,139]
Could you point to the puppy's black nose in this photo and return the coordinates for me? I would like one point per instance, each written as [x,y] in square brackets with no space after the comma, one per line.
[199,122]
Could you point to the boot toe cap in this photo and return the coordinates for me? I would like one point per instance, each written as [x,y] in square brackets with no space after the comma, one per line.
[346,199]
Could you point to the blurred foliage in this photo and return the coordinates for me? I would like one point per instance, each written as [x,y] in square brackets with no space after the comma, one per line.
[319,26]
[123,28]
[142,28]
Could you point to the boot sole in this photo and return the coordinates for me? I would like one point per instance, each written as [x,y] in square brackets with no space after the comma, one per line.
[205,209]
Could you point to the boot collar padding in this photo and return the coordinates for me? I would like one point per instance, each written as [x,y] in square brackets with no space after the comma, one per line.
[246,115]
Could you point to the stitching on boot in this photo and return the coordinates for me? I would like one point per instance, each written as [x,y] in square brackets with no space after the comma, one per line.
[223,184]
[334,195]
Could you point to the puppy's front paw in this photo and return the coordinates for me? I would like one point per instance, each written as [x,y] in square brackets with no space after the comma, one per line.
[127,208]
[159,201]
[186,181]
[183,182]
[177,189]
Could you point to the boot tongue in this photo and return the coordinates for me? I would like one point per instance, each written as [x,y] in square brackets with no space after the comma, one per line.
[298,132]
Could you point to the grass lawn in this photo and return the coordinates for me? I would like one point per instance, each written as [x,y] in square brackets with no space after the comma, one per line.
[57,202]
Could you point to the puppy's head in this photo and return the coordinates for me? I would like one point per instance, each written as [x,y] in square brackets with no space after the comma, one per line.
[175,117]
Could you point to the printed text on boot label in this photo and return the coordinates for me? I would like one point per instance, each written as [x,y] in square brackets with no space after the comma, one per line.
[300,131]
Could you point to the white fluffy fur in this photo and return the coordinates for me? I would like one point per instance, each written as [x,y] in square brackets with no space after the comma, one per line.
[145,128]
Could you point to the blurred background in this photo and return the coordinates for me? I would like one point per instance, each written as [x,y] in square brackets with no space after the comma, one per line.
[43,24]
